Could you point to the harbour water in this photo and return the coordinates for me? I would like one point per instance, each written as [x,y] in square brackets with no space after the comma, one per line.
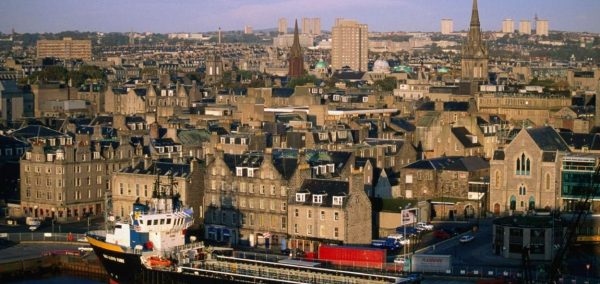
[58,279]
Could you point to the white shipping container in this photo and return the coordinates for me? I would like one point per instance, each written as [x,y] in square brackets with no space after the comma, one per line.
[431,263]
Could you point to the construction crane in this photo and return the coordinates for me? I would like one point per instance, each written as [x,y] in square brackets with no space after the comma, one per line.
[570,236]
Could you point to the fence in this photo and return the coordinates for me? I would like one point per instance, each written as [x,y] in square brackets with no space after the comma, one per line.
[43,237]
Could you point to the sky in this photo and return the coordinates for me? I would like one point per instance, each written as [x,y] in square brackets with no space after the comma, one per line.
[164,16]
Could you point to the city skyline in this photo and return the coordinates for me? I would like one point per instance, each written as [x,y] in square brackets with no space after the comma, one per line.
[190,16]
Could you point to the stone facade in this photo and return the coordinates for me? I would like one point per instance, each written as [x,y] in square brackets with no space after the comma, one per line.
[65,180]
[525,175]
[330,211]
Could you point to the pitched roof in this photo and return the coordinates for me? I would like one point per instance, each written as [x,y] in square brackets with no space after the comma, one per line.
[580,140]
[547,139]
[461,133]
[455,163]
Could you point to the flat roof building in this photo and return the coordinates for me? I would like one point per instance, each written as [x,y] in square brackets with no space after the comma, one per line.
[67,48]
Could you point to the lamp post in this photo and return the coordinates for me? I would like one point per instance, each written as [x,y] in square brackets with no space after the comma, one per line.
[587,270]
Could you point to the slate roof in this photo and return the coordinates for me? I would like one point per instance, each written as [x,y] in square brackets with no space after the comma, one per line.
[448,106]
[547,139]
[193,137]
[454,163]
[548,156]
[161,167]
[282,92]
[140,92]
[461,134]
[32,131]
[498,155]
[580,140]
[328,187]
[403,124]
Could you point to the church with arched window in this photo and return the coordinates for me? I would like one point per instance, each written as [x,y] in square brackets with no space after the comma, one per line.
[526,173]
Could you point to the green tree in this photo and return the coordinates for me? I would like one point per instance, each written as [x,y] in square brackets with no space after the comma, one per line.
[388,84]
[301,81]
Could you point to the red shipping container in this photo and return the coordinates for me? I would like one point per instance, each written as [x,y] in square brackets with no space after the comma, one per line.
[353,256]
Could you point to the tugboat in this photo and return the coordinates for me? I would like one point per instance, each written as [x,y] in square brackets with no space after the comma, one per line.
[155,229]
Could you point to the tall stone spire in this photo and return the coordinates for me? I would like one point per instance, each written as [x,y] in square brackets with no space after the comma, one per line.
[296,60]
[475,15]
[296,49]
[474,52]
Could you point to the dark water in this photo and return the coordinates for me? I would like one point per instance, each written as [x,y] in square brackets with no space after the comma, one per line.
[57,279]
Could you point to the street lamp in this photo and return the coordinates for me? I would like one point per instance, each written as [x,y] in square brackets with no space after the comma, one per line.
[587,270]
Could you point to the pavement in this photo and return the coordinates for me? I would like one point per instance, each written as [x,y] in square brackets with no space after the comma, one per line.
[79,227]
[32,250]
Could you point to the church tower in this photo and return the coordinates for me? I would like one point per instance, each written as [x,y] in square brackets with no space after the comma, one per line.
[296,60]
[474,52]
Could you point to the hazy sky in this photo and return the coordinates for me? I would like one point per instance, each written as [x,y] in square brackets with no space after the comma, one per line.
[208,15]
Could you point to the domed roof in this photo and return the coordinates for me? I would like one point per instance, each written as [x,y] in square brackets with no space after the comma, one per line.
[442,70]
[403,68]
[381,66]
[321,64]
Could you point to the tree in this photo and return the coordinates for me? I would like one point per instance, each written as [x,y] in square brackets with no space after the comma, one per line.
[388,84]
[301,81]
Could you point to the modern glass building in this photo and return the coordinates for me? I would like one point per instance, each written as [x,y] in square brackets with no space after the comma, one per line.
[577,179]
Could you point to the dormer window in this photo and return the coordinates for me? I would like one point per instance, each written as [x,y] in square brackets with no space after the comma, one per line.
[28,156]
[338,200]
[231,140]
[243,142]
[239,171]
[69,141]
[300,197]
[331,168]
[96,155]
[250,172]
[222,140]
[317,198]
[60,156]
[322,136]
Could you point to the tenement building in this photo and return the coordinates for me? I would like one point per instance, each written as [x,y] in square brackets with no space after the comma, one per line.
[246,196]
[330,211]
[66,179]
[143,180]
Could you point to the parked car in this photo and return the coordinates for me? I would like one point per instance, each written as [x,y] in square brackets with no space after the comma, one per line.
[441,234]
[424,226]
[400,260]
[466,238]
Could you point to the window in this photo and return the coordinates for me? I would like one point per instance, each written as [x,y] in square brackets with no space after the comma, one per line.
[338,200]
[322,215]
[336,232]
[239,172]
[283,191]
[523,166]
[547,181]
[262,189]
[272,190]
[309,230]
[317,198]
[522,190]
[336,215]
[300,197]
[272,206]
[251,172]
[296,212]
[309,214]
[251,187]
[243,202]
[242,187]
[497,179]
[283,206]
[295,228]
[283,223]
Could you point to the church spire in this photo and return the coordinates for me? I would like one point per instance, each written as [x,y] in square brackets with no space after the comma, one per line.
[296,49]
[296,59]
[475,15]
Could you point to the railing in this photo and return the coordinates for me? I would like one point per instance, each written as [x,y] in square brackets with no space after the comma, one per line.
[44,237]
